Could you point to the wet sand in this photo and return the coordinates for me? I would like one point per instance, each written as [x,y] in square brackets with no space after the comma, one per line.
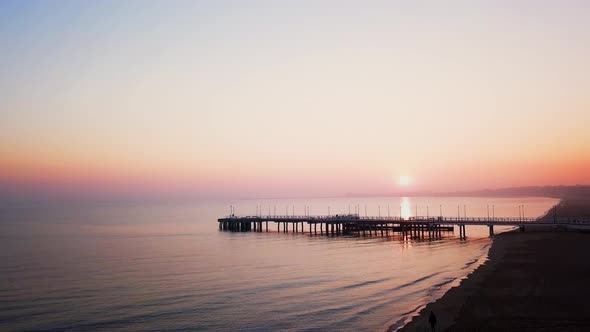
[537,280]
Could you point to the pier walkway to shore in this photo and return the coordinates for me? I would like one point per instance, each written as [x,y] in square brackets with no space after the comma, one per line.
[418,227]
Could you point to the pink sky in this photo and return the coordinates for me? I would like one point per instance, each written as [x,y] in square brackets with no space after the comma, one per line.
[293,99]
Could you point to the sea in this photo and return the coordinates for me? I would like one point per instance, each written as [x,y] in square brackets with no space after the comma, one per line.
[166,266]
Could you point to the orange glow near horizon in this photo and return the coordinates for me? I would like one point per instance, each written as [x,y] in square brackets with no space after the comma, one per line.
[287,181]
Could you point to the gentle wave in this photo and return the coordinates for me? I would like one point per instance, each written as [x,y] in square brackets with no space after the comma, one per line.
[89,269]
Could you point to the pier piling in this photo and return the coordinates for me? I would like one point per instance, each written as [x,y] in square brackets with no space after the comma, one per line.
[414,228]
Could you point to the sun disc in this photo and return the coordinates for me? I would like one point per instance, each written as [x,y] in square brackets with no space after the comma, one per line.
[404,180]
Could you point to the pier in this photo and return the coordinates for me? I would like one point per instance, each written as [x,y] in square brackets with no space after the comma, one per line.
[350,224]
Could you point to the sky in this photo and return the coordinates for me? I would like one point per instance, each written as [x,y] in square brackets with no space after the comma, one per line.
[292,98]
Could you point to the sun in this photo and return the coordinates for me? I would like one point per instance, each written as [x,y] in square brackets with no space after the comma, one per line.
[404,180]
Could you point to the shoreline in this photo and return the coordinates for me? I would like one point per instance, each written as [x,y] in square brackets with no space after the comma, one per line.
[449,305]
[519,284]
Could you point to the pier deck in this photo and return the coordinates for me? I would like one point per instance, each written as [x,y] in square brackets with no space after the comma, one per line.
[353,223]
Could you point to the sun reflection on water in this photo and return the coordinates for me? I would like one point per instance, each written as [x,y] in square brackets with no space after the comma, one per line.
[405,210]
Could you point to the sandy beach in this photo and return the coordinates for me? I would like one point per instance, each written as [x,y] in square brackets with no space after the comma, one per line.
[535,280]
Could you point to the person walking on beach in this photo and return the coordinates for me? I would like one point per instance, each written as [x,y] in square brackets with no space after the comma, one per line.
[432,321]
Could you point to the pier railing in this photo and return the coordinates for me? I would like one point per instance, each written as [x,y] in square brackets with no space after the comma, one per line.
[414,227]
[417,219]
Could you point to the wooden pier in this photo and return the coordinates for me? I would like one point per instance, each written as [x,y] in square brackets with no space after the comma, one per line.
[415,227]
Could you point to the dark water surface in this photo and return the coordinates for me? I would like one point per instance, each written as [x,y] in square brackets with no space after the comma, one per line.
[165,266]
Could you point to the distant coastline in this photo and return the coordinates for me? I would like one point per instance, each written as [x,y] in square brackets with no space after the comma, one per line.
[524,284]
[576,191]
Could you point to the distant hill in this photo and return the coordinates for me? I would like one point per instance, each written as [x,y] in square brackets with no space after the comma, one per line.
[544,191]
[577,191]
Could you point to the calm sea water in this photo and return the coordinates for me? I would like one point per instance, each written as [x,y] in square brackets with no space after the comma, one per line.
[165,266]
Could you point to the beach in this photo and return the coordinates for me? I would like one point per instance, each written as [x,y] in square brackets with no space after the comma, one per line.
[535,280]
